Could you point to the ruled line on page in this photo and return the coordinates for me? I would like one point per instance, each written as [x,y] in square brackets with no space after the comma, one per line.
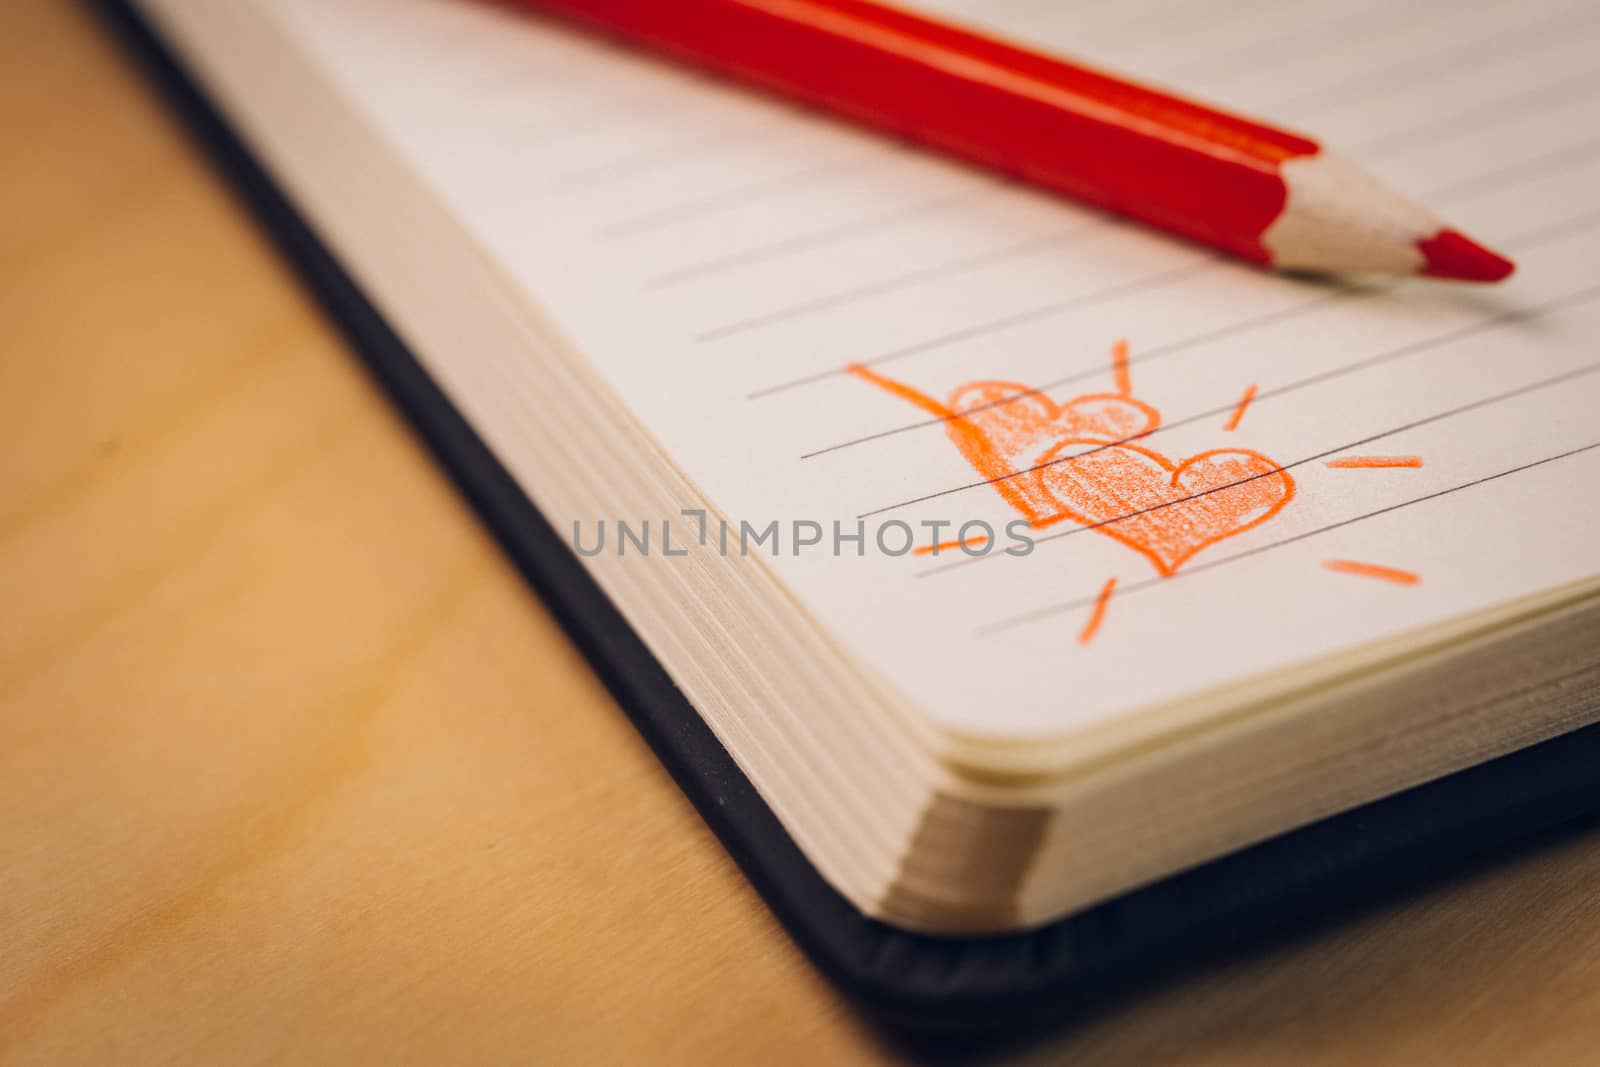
[1461,409]
[523,61]
[1476,119]
[1216,333]
[1039,614]
[1519,243]
[754,192]
[827,236]
[698,143]
[1029,315]
[1426,344]
[1173,20]
[549,130]
[1373,31]
[1049,14]
[1017,250]
[1522,40]
[1560,229]
[1279,49]
[1545,165]
[648,162]
[593,71]
[524,76]
[1144,283]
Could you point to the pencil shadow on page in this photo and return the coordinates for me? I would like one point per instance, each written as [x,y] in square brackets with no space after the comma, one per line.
[1330,978]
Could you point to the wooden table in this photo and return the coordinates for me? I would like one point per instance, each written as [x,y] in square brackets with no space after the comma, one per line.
[294,768]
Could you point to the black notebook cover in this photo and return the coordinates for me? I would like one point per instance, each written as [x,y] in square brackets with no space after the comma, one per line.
[1313,874]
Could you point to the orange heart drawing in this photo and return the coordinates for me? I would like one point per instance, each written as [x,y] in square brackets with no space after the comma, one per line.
[1000,426]
[1014,420]
[1164,510]
[1092,473]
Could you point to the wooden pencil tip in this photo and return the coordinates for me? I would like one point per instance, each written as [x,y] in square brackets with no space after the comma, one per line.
[1449,254]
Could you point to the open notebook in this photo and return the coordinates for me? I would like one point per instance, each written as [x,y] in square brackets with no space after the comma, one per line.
[1018,556]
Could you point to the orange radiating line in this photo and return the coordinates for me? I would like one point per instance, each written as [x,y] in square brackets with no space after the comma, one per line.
[1373,570]
[904,392]
[1092,627]
[971,542]
[1364,462]
[1119,367]
[1238,412]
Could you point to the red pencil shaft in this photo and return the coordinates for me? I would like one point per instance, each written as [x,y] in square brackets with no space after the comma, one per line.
[1203,173]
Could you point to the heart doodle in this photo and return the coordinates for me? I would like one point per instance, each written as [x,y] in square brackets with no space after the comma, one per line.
[1077,461]
[998,426]
[1164,510]
[1014,420]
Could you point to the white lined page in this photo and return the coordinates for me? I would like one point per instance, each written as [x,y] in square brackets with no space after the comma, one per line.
[722,257]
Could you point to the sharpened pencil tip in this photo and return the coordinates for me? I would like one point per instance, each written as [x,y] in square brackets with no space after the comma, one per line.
[1453,255]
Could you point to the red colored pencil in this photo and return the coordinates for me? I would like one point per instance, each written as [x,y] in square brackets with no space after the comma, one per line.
[1265,194]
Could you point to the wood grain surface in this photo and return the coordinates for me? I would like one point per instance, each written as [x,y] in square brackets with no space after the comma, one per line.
[294,769]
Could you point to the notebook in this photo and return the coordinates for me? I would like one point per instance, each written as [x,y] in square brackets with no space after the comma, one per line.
[1018,588]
